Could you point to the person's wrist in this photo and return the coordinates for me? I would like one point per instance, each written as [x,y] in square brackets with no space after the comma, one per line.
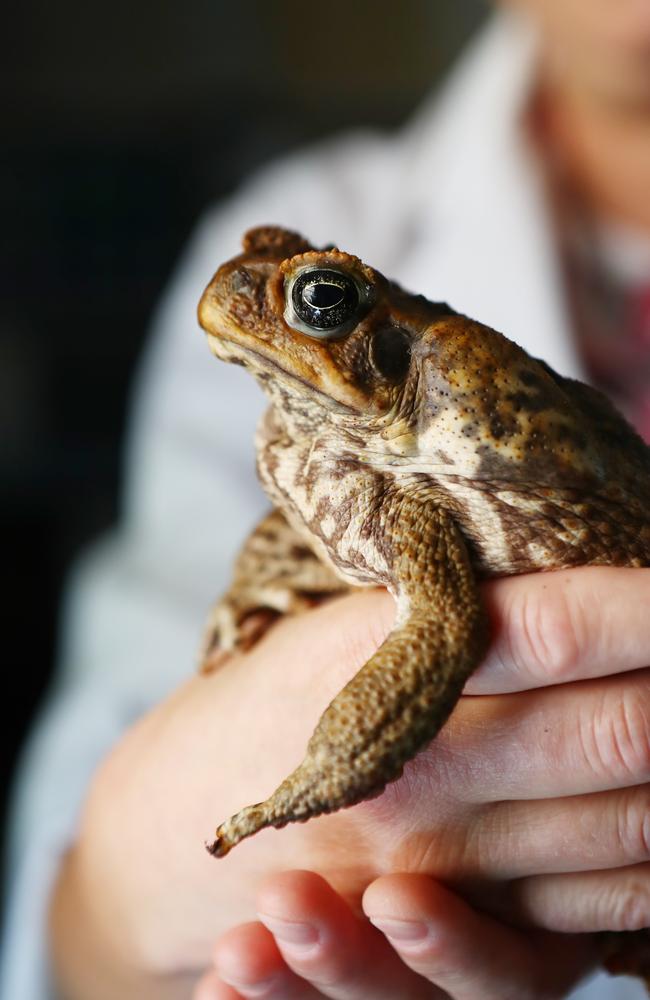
[90,953]
[142,871]
[114,872]
[89,959]
[102,878]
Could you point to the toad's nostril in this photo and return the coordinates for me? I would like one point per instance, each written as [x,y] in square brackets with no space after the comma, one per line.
[240,280]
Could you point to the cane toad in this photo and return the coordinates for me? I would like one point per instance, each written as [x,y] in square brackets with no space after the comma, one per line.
[410,447]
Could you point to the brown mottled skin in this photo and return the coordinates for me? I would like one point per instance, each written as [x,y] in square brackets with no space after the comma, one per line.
[420,451]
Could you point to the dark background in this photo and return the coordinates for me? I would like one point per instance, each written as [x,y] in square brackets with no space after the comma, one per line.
[120,123]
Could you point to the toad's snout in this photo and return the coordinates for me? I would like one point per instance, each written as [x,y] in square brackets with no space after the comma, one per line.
[235,298]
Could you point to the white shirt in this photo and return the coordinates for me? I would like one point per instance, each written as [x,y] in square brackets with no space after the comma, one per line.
[452,207]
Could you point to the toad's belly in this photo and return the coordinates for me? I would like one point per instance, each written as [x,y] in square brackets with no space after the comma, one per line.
[335,506]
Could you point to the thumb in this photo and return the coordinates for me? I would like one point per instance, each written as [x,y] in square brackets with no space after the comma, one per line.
[304,660]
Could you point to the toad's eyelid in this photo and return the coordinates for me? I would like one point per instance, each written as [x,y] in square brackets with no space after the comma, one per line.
[364,287]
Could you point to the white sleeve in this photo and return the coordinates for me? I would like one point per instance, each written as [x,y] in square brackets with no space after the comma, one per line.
[136,602]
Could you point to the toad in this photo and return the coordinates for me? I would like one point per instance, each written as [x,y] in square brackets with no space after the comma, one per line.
[409,447]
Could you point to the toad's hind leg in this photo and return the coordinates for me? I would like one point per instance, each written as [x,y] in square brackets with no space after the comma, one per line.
[276,573]
[399,700]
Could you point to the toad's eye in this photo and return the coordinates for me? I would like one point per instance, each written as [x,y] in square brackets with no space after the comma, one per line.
[324,302]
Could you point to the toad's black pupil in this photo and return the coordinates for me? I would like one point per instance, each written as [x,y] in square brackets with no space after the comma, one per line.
[325,299]
[323,295]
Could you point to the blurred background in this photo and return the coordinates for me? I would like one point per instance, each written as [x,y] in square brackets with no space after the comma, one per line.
[120,123]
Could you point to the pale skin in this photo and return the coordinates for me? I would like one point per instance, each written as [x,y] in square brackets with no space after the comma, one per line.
[490,809]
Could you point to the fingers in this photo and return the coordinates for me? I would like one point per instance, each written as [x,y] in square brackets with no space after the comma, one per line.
[513,840]
[583,737]
[211,987]
[248,963]
[437,936]
[549,628]
[466,953]
[330,947]
[615,900]
[582,833]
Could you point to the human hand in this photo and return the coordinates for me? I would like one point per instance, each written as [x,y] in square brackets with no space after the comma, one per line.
[489,958]
[312,944]
[491,807]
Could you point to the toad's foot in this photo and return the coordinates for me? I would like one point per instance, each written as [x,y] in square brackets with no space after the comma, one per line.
[394,705]
[389,711]
[276,574]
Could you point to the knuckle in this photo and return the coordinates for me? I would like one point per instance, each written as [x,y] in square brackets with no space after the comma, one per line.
[622,733]
[633,825]
[329,971]
[553,633]
[628,907]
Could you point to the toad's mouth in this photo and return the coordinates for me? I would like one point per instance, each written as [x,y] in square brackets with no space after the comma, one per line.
[268,371]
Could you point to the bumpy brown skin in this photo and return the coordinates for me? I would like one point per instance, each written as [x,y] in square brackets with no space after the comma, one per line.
[420,451]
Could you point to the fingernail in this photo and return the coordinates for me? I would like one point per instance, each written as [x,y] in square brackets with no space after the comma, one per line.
[291,932]
[257,989]
[401,930]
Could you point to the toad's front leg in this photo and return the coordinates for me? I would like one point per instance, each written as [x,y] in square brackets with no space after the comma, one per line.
[275,574]
[401,697]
